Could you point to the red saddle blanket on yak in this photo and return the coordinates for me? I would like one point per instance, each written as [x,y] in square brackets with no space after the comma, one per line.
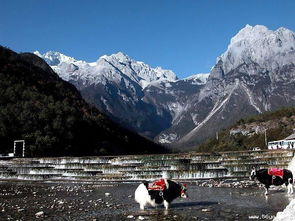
[276,172]
[157,185]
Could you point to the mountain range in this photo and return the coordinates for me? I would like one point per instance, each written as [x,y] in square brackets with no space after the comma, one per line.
[255,74]
[37,106]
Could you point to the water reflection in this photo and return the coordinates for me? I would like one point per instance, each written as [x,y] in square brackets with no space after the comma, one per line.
[166,212]
[277,198]
[194,204]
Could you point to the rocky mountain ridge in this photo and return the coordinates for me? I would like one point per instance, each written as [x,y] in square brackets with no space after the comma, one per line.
[107,68]
[131,92]
[255,74]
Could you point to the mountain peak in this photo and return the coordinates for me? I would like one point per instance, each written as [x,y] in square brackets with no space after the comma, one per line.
[258,44]
[251,32]
[54,58]
[119,57]
[198,79]
[37,53]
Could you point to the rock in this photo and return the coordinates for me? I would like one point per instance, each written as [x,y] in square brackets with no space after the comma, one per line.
[207,210]
[60,202]
[39,214]
[227,210]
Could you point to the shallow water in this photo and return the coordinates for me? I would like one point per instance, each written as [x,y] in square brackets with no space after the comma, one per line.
[74,201]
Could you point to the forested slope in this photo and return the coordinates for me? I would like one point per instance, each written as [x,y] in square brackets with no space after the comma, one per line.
[51,116]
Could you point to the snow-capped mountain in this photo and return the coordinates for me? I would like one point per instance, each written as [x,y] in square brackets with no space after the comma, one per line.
[115,84]
[55,58]
[260,45]
[255,74]
[106,68]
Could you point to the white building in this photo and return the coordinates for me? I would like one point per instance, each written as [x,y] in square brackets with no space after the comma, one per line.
[287,143]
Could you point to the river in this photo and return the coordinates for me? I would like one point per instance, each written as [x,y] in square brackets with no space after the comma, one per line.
[115,201]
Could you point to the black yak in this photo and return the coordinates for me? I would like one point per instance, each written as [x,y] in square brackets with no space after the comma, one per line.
[273,176]
[160,191]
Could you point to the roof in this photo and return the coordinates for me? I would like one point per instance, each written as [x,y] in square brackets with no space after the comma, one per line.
[291,137]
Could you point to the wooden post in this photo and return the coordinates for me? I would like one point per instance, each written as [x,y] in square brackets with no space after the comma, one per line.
[265,138]
[24,143]
[14,148]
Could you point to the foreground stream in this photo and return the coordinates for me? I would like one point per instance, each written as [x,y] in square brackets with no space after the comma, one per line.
[74,201]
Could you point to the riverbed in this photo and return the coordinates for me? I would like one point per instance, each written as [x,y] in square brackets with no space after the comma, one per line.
[115,201]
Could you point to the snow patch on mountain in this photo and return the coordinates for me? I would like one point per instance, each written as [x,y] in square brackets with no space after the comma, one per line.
[198,79]
[194,118]
[176,109]
[167,138]
[251,99]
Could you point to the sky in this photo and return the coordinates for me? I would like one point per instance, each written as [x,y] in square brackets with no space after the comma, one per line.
[183,36]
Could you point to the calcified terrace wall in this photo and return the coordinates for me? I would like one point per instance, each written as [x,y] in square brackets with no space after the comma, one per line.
[189,166]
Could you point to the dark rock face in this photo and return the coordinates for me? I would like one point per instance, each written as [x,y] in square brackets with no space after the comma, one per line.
[149,110]
[234,96]
[131,111]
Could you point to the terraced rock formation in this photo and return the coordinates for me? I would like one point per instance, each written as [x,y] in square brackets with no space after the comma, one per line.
[189,166]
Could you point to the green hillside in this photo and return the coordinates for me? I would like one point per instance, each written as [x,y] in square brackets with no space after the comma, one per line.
[51,116]
[253,132]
